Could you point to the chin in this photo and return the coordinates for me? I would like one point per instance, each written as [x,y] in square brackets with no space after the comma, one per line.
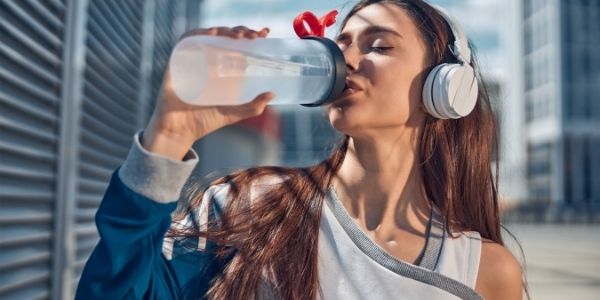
[343,120]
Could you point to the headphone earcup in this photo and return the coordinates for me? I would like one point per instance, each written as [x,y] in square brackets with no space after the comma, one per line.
[428,90]
[450,91]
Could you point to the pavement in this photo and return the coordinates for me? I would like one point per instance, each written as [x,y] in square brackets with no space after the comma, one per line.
[561,261]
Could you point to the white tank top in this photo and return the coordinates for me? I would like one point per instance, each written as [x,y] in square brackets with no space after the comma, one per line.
[352,266]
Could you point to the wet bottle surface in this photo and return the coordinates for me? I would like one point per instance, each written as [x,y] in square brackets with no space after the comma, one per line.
[209,70]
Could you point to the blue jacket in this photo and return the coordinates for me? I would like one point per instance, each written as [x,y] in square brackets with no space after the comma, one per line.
[128,262]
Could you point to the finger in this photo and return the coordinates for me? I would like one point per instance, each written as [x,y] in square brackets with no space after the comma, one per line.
[226,31]
[251,109]
[251,34]
[245,32]
[200,31]
[237,33]
[257,105]
[248,33]
[240,27]
[264,32]
[263,98]
[212,31]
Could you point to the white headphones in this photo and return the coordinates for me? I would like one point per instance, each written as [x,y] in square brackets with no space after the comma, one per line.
[450,90]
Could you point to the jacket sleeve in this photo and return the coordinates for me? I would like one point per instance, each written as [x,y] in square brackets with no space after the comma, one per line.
[133,260]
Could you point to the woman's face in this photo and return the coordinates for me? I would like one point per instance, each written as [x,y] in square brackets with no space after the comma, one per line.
[386,59]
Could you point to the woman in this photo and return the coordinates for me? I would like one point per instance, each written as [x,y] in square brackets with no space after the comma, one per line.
[406,207]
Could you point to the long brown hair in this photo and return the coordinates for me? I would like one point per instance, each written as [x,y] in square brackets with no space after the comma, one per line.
[275,235]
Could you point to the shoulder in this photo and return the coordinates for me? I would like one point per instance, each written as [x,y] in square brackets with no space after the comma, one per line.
[500,273]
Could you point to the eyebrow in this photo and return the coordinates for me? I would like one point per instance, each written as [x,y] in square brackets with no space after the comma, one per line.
[373,29]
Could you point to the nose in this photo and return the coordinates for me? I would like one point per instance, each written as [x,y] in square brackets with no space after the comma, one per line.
[351,57]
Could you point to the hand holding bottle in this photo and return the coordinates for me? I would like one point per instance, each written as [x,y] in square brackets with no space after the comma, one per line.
[176,125]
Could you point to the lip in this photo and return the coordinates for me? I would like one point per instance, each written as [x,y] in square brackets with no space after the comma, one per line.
[353,85]
[348,91]
[351,88]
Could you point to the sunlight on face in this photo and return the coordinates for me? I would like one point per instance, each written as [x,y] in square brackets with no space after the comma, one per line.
[386,58]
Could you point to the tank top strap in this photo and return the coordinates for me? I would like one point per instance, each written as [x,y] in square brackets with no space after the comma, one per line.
[460,252]
[473,259]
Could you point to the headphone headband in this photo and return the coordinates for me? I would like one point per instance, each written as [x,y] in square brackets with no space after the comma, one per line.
[460,49]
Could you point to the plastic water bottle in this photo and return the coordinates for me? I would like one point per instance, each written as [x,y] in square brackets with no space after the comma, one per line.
[214,70]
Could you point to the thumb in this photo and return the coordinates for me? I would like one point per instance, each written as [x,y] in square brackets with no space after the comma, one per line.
[248,110]
[258,104]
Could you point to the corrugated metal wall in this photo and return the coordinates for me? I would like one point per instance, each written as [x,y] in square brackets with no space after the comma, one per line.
[31,36]
[77,79]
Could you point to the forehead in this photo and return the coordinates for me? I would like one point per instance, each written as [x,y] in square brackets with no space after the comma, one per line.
[381,14]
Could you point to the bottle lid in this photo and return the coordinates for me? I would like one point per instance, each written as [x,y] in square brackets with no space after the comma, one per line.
[339,65]
[316,27]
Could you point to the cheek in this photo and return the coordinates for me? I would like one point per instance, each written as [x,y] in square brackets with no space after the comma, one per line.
[406,81]
[400,86]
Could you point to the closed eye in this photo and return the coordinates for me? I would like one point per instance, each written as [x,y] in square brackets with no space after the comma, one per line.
[381,49]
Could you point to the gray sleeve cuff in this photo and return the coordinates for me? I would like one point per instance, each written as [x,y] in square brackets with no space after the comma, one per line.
[155,176]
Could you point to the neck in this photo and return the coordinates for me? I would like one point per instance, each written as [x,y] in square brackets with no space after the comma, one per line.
[380,181]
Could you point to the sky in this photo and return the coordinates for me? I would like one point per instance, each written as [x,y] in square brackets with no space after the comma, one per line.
[482,20]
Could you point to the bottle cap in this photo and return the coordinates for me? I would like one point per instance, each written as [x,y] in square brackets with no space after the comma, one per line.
[316,27]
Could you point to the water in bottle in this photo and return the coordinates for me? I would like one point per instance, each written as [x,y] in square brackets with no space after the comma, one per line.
[214,70]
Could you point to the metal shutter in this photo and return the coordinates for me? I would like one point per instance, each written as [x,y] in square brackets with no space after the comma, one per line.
[109,110]
[30,78]
[76,81]
[164,40]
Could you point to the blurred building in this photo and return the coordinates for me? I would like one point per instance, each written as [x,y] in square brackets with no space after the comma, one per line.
[251,142]
[77,79]
[307,136]
[562,105]
[509,104]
